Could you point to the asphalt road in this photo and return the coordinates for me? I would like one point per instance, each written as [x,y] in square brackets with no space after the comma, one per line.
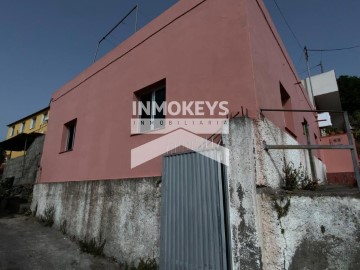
[26,244]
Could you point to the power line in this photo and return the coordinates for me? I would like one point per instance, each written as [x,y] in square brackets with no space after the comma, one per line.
[337,49]
[288,25]
[318,65]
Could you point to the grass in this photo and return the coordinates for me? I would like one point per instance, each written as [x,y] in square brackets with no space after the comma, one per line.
[92,246]
[48,218]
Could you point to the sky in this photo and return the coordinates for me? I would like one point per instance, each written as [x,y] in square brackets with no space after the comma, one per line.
[44,44]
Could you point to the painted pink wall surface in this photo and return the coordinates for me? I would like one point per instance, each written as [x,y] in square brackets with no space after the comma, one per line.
[337,161]
[209,50]
[272,66]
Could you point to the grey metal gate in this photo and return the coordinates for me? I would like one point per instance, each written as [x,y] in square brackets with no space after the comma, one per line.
[192,214]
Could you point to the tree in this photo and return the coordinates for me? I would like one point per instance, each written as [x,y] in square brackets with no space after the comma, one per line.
[349,89]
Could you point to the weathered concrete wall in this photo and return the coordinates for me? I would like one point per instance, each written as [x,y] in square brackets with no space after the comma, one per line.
[269,164]
[24,169]
[316,231]
[319,231]
[252,166]
[241,178]
[125,212]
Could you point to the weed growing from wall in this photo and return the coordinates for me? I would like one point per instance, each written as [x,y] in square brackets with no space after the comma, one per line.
[92,246]
[282,208]
[297,178]
[63,226]
[148,264]
[48,218]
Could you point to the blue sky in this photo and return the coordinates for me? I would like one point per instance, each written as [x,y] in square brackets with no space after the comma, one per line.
[45,43]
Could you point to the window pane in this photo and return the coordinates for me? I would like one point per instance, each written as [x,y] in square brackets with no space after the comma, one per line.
[160,97]
[145,101]
[70,136]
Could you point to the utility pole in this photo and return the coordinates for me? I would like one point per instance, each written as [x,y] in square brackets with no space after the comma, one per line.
[309,75]
[136,17]
[305,124]
[321,67]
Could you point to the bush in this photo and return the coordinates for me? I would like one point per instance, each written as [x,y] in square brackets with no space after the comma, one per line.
[297,178]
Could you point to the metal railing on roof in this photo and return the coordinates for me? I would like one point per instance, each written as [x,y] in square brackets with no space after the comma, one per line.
[351,146]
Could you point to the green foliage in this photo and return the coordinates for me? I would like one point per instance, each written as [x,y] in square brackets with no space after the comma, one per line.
[148,264]
[6,187]
[308,184]
[92,246]
[291,177]
[28,212]
[282,209]
[48,218]
[297,178]
[349,89]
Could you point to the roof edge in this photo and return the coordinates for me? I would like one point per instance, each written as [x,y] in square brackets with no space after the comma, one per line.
[28,116]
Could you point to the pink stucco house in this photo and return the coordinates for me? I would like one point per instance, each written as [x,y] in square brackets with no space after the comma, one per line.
[176,205]
[200,54]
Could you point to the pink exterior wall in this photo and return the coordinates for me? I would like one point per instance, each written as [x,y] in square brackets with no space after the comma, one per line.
[203,54]
[272,66]
[337,161]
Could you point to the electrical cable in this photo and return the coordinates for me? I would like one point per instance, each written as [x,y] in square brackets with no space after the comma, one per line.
[337,49]
[288,25]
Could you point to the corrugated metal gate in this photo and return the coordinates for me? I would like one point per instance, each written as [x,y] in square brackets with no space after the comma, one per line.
[192,214]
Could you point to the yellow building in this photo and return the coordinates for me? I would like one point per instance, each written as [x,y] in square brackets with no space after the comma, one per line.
[33,123]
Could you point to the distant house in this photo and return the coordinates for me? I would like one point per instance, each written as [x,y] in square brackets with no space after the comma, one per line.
[186,210]
[23,146]
[339,163]
[34,123]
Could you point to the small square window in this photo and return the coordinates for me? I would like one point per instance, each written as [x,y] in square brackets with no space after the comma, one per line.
[70,130]
[152,107]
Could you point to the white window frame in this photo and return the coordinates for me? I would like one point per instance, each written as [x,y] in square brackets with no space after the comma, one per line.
[44,118]
[153,109]
[11,131]
[32,122]
[22,127]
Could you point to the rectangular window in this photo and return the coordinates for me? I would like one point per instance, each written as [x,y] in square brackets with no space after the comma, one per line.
[45,118]
[11,131]
[32,122]
[21,128]
[70,129]
[152,108]
[288,115]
